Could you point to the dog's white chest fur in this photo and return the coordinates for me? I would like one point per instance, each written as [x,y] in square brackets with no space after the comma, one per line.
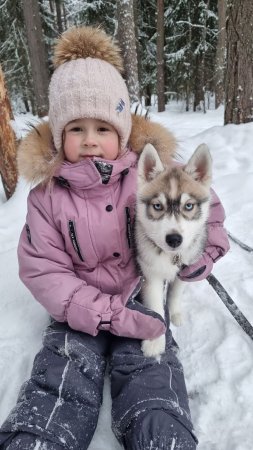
[161,265]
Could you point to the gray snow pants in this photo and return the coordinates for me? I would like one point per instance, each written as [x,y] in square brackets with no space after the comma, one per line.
[58,406]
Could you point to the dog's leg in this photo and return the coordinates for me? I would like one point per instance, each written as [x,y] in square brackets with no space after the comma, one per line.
[153,298]
[174,303]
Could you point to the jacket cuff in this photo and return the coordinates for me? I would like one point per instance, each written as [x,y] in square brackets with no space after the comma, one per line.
[83,319]
[198,271]
[89,316]
[214,253]
[105,322]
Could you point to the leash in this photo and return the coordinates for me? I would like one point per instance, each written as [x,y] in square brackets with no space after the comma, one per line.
[240,243]
[230,305]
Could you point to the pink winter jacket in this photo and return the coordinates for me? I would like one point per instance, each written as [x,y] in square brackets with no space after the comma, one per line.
[76,249]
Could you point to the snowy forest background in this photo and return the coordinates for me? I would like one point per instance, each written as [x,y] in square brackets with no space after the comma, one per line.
[177,49]
[198,53]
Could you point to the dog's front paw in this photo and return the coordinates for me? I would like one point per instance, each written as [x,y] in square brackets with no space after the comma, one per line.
[154,347]
[177,319]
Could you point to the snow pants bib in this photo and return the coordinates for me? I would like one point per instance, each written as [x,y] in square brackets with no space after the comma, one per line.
[58,406]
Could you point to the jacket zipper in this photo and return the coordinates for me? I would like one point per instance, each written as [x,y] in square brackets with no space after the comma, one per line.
[128,227]
[73,237]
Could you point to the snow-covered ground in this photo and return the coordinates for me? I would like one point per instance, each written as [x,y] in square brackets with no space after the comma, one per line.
[216,354]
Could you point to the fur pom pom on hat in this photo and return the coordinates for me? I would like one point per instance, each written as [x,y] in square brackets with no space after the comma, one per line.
[84,42]
[87,82]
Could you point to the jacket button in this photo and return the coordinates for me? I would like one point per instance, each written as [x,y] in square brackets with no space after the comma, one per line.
[116,254]
[109,208]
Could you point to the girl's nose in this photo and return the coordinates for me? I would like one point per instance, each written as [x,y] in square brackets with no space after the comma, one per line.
[89,139]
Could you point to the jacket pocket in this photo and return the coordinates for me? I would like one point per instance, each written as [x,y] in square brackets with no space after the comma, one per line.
[74,240]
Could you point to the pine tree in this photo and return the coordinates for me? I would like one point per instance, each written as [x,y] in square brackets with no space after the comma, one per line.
[239,73]
[126,38]
[191,35]
[14,56]
[220,54]
[160,55]
[146,24]
[91,12]
[38,54]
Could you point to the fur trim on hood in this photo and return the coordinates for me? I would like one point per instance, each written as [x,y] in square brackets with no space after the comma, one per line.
[38,160]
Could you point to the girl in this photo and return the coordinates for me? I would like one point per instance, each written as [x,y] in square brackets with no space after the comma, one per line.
[76,257]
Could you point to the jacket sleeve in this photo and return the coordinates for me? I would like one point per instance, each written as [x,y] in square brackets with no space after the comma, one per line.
[217,244]
[47,271]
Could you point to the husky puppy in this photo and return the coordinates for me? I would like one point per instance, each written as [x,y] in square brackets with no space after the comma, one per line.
[171,214]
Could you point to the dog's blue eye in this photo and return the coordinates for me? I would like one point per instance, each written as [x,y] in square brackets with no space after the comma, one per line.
[189,206]
[158,206]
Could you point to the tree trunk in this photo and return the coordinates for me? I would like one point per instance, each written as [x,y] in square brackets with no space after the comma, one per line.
[51,6]
[200,79]
[37,54]
[220,54]
[148,95]
[189,57]
[198,87]
[64,16]
[239,71]
[137,44]
[8,166]
[58,5]
[126,38]
[160,55]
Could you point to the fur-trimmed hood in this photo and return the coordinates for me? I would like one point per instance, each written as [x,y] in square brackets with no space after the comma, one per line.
[38,160]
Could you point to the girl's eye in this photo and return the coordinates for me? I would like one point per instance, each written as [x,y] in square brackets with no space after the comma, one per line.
[103,129]
[157,206]
[189,206]
[76,129]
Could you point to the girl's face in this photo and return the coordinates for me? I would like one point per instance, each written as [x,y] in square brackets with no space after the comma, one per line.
[85,138]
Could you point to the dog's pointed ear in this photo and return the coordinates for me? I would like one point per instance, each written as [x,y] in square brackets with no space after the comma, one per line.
[199,166]
[149,164]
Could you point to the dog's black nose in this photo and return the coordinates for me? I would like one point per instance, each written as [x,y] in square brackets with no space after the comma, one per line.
[174,240]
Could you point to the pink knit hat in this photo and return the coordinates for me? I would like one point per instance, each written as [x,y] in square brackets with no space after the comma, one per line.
[87,83]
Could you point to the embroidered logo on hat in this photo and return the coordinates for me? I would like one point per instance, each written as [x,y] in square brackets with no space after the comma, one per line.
[120,106]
